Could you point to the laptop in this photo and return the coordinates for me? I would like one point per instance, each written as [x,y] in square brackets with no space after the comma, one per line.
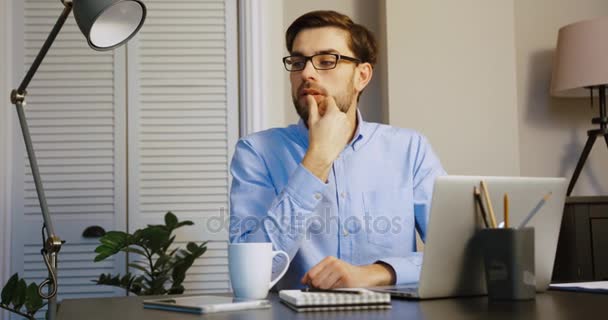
[453,263]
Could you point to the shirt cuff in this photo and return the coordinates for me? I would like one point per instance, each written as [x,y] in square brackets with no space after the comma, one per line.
[407,269]
[305,188]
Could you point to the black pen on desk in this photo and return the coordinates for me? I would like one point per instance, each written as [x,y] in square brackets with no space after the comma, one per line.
[482,209]
[535,210]
[317,290]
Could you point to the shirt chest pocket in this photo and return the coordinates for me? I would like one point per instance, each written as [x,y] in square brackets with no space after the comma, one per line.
[389,217]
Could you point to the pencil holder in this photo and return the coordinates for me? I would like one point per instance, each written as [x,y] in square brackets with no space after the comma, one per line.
[509,263]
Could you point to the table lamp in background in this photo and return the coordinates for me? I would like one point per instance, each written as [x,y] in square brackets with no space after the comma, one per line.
[106,24]
[581,63]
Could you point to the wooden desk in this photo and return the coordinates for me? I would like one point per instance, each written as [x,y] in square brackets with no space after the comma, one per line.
[551,305]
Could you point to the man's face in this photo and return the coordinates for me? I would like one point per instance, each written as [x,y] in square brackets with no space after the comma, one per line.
[320,84]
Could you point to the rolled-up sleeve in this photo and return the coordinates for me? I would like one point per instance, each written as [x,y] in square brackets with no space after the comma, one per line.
[407,269]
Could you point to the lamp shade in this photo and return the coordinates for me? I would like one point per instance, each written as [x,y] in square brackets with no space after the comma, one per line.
[581,57]
[108,23]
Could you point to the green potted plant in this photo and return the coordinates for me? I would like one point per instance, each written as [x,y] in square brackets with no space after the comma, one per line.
[162,269]
[20,298]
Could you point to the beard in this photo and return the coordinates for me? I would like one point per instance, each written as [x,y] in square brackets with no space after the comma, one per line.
[343,100]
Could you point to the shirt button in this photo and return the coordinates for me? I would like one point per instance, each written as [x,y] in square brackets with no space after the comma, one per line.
[343,194]
[345,233]
[318,196]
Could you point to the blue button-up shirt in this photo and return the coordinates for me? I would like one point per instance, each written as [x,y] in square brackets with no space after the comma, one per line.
[378,192]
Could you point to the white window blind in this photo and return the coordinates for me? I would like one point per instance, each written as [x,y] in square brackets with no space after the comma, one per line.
[182,125]
[165,115]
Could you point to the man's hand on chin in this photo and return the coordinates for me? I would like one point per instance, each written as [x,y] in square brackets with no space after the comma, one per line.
[328,135]
[332,272]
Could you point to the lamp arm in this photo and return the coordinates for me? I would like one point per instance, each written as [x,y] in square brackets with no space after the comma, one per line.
[52,243]
[48,223]
[18,99]
[45,48]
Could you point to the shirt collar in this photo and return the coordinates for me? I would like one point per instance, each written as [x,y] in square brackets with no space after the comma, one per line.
[362,135]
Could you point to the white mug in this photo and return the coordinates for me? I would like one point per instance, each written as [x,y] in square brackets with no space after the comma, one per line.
[250,266]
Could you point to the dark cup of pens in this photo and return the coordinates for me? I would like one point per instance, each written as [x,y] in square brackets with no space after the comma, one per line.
[509,263]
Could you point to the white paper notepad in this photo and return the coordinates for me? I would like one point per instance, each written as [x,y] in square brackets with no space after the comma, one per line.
[334,301]
[595,286]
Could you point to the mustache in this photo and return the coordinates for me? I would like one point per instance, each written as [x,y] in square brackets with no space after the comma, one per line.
[306,87]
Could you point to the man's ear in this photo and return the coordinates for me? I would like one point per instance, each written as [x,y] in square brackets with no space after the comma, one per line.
[363,75]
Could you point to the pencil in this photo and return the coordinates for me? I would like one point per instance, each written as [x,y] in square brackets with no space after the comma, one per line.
[506,212]
[482,210]
[486,194]
[535,210]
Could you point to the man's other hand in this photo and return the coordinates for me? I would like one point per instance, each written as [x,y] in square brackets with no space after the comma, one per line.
[332,272]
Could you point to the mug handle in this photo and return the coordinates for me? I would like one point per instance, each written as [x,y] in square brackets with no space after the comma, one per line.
[274,253]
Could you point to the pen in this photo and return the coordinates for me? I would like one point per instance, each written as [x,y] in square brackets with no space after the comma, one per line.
[482,209]
[317,290]
[486,194]
[535,210]
[506,212]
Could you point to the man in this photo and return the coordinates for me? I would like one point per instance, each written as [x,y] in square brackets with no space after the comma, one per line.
[341,196]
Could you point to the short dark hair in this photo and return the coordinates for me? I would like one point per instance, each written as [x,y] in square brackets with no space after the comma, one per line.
[362,42]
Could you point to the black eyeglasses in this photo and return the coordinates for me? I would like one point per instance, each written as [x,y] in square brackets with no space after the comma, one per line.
[323,61]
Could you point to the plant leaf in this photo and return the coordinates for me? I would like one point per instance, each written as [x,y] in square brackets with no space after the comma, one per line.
[154,237]
[33,302]
[102,256]
[162,260]
[138,267]
[109,280]
[9,289]
[157,285]
[19,297]
[111,243]
[167,244]
[134,250]
[135,284]
[126,280]
[184,223]
[179,289]
[171,220]
[192,247]
[136,237]
[104,279]
[200,252]
[114,239]
[197,250]
[136,287]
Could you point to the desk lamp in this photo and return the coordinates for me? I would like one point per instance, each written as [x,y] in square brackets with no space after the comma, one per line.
[106,24]
[581,62]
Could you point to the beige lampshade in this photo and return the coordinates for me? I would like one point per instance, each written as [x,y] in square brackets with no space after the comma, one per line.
[581,58]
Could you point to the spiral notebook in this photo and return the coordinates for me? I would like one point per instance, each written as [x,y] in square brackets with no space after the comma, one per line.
[361,299]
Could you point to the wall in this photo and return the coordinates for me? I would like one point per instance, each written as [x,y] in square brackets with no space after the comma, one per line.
[367,13]
[262,83]
[452,77]
[552,131]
